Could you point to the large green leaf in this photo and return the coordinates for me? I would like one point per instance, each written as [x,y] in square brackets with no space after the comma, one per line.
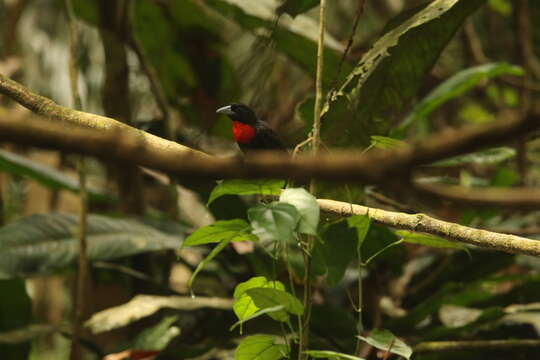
[384,340]
[50,177]
[336,251]
[232,230]
[268,297]
[453,87]
[361,223]
[40,244]
[307,207]
[274,222]
[244,306]
[246,187]
[297,39]
[260,347]
[389,75]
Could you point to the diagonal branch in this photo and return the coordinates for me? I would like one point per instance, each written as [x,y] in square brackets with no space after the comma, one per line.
[49,109]
[424,223]
[107,138]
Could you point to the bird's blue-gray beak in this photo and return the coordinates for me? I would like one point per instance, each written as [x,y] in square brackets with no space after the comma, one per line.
[227,110]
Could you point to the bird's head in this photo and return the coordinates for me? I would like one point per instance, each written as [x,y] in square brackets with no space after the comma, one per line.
[239,112]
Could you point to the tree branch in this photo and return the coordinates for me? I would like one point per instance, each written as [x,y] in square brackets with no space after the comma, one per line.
[438,346]
[107,138]
[424,223]
[49,109]
[521,197]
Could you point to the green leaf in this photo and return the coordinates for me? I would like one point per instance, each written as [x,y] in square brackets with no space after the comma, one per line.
[307,207]
[384,340]
[336,252]
[380,245]
[484,157]
[504,177]
[246,187]
[361,223]
[430,240]
[256,282]
[273,222]
[386,143]
[215,251]
[157,337]
[503,7]
[323,354]
[455,86]
[260,347]
[232,230]
[388,77]
[296,39]
[50,177]
[267,297]
[40,244]
[244,306]
[278,308]
[297,7]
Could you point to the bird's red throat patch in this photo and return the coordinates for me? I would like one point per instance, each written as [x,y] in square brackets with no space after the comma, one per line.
[243,133]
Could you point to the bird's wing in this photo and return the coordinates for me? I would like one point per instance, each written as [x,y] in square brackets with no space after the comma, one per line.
[268,138]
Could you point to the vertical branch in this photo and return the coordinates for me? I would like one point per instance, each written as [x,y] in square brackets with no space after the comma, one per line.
[9,30]
[82,274]
[113,21]
[316,144]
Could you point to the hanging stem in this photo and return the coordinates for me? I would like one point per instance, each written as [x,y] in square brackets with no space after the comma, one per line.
[316,144]
[82,274]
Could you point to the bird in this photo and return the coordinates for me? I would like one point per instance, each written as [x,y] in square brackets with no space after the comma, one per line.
[249,132]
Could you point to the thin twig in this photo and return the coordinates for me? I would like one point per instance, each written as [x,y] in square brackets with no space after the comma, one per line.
[315,146]
[359,12]
[474,45]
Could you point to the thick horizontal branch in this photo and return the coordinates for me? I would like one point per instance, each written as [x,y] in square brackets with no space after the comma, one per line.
[424,223]
[523,198]
[49,109]
[112,139]
[439,346]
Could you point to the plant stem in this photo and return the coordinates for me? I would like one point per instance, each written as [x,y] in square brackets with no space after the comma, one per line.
[316,144]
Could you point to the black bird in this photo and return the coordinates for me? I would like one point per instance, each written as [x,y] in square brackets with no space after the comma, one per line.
[250,132]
